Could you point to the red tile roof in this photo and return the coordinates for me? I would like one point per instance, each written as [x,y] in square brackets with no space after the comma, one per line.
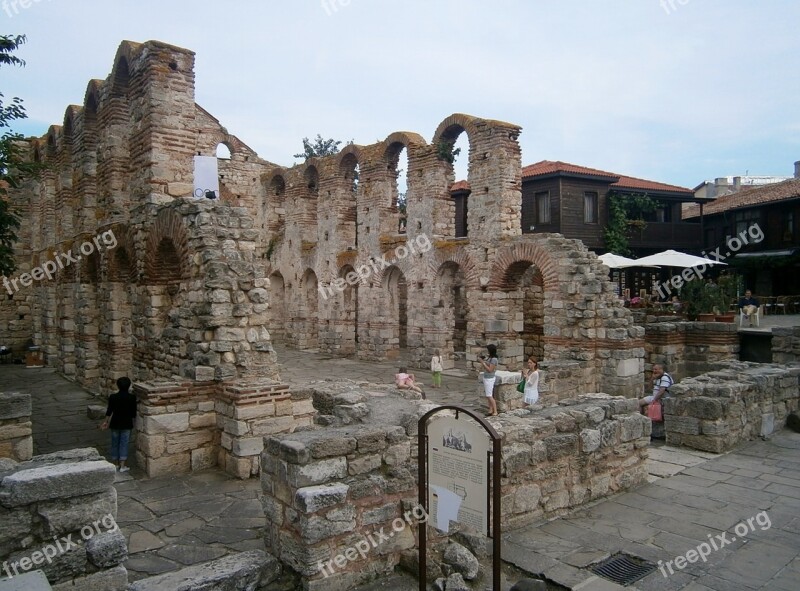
[459,186]
[748,198]
[621,181]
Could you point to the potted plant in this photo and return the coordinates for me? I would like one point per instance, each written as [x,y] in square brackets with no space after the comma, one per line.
[723,295]
[698,300]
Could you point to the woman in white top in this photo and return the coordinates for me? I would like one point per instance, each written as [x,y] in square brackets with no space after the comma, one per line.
[531,374]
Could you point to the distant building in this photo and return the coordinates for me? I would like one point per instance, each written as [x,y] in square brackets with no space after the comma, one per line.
[733,184]
[767,218]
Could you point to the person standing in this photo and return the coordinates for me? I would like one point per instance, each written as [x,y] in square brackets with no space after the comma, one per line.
[489,376]
[531,374]
[120,416]
[436,368]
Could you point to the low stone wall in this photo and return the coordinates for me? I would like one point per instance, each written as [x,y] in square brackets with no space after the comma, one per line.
[718,410]
[556,382]
[58,513]
[189,426]
[16,435]
[689,348]
[786,344]
[327,490]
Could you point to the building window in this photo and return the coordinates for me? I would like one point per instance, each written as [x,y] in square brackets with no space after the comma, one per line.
[788,229]
[590,207]
[744,220]
[543,207]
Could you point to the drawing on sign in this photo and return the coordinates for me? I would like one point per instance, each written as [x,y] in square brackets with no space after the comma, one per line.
[458,441]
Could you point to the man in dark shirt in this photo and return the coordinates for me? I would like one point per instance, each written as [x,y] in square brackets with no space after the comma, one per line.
[748,305]
[120,416]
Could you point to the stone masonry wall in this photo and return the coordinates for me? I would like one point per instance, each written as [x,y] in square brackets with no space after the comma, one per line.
[785,344]
[689,348]
[189,426]
[16,434]
[59,515]
[718,410]
[326,489]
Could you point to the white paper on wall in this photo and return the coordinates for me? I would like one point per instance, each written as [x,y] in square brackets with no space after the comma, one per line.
[206,177]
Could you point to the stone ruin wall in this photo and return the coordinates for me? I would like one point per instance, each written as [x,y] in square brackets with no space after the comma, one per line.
[738,402]
[193,293]
[16,429]
[55,497]
[327,489]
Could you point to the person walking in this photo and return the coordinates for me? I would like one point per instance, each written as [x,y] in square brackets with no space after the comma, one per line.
[120,417]
[489,376]
[436,368]
[531,374]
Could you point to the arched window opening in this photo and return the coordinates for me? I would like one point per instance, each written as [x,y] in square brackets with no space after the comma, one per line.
[223,151]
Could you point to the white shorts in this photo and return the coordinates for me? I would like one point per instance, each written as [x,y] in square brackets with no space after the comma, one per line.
[648,399]
[488,386]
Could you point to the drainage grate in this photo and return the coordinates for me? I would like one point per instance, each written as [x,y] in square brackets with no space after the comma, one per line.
[623,568]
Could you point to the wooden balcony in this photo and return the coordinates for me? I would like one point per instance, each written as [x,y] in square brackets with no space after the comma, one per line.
[665,235]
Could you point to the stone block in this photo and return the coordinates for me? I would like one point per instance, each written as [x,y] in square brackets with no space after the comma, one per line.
[363,464]
[16,529]
[311,499]
[14,405]
[254,411]
[380,514]
[590,440]
[113,579]
[628,367]
[61,516]
[153,446]
[166,423]
[767,424]
[249,446]
[273,425]
[559,446]
[15,431]
[237,428]
[180,442]
[107,549]
[245,570]
[685,425]
[333,446]
[526,498]
[318,472]
[206,419]
[631,427]
[203,458]
[56,481]
[180,463]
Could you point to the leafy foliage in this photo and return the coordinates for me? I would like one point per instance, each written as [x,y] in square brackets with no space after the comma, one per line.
[14,167]
[446,150]
[321,147]
[626,211]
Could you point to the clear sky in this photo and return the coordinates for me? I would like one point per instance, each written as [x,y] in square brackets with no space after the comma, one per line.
[677,91]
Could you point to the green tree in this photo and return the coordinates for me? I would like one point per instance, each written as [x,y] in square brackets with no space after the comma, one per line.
[625,212]
[14,167]
[320,147]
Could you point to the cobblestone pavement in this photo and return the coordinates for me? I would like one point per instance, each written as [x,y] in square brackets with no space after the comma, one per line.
[177,521]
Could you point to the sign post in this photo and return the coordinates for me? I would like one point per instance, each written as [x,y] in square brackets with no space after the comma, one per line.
[455,479]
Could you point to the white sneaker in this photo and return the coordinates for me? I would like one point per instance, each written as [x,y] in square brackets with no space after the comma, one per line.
[124,469]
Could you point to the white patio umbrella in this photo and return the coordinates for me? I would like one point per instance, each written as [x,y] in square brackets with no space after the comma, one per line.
[673,258]
[616,261]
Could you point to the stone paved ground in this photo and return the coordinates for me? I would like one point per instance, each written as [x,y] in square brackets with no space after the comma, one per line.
[177,521]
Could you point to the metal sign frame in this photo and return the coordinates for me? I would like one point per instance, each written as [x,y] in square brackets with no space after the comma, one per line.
[492,483]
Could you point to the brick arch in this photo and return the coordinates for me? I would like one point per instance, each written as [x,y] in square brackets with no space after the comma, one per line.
[70,114]
[274,183]
[53,133]
[409,139]
[121,71]
[405,266]
[459,257]
[528,252]
[91,99]
[166,258]
[120,261]
[452,126]
[353,149]
[310,178]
